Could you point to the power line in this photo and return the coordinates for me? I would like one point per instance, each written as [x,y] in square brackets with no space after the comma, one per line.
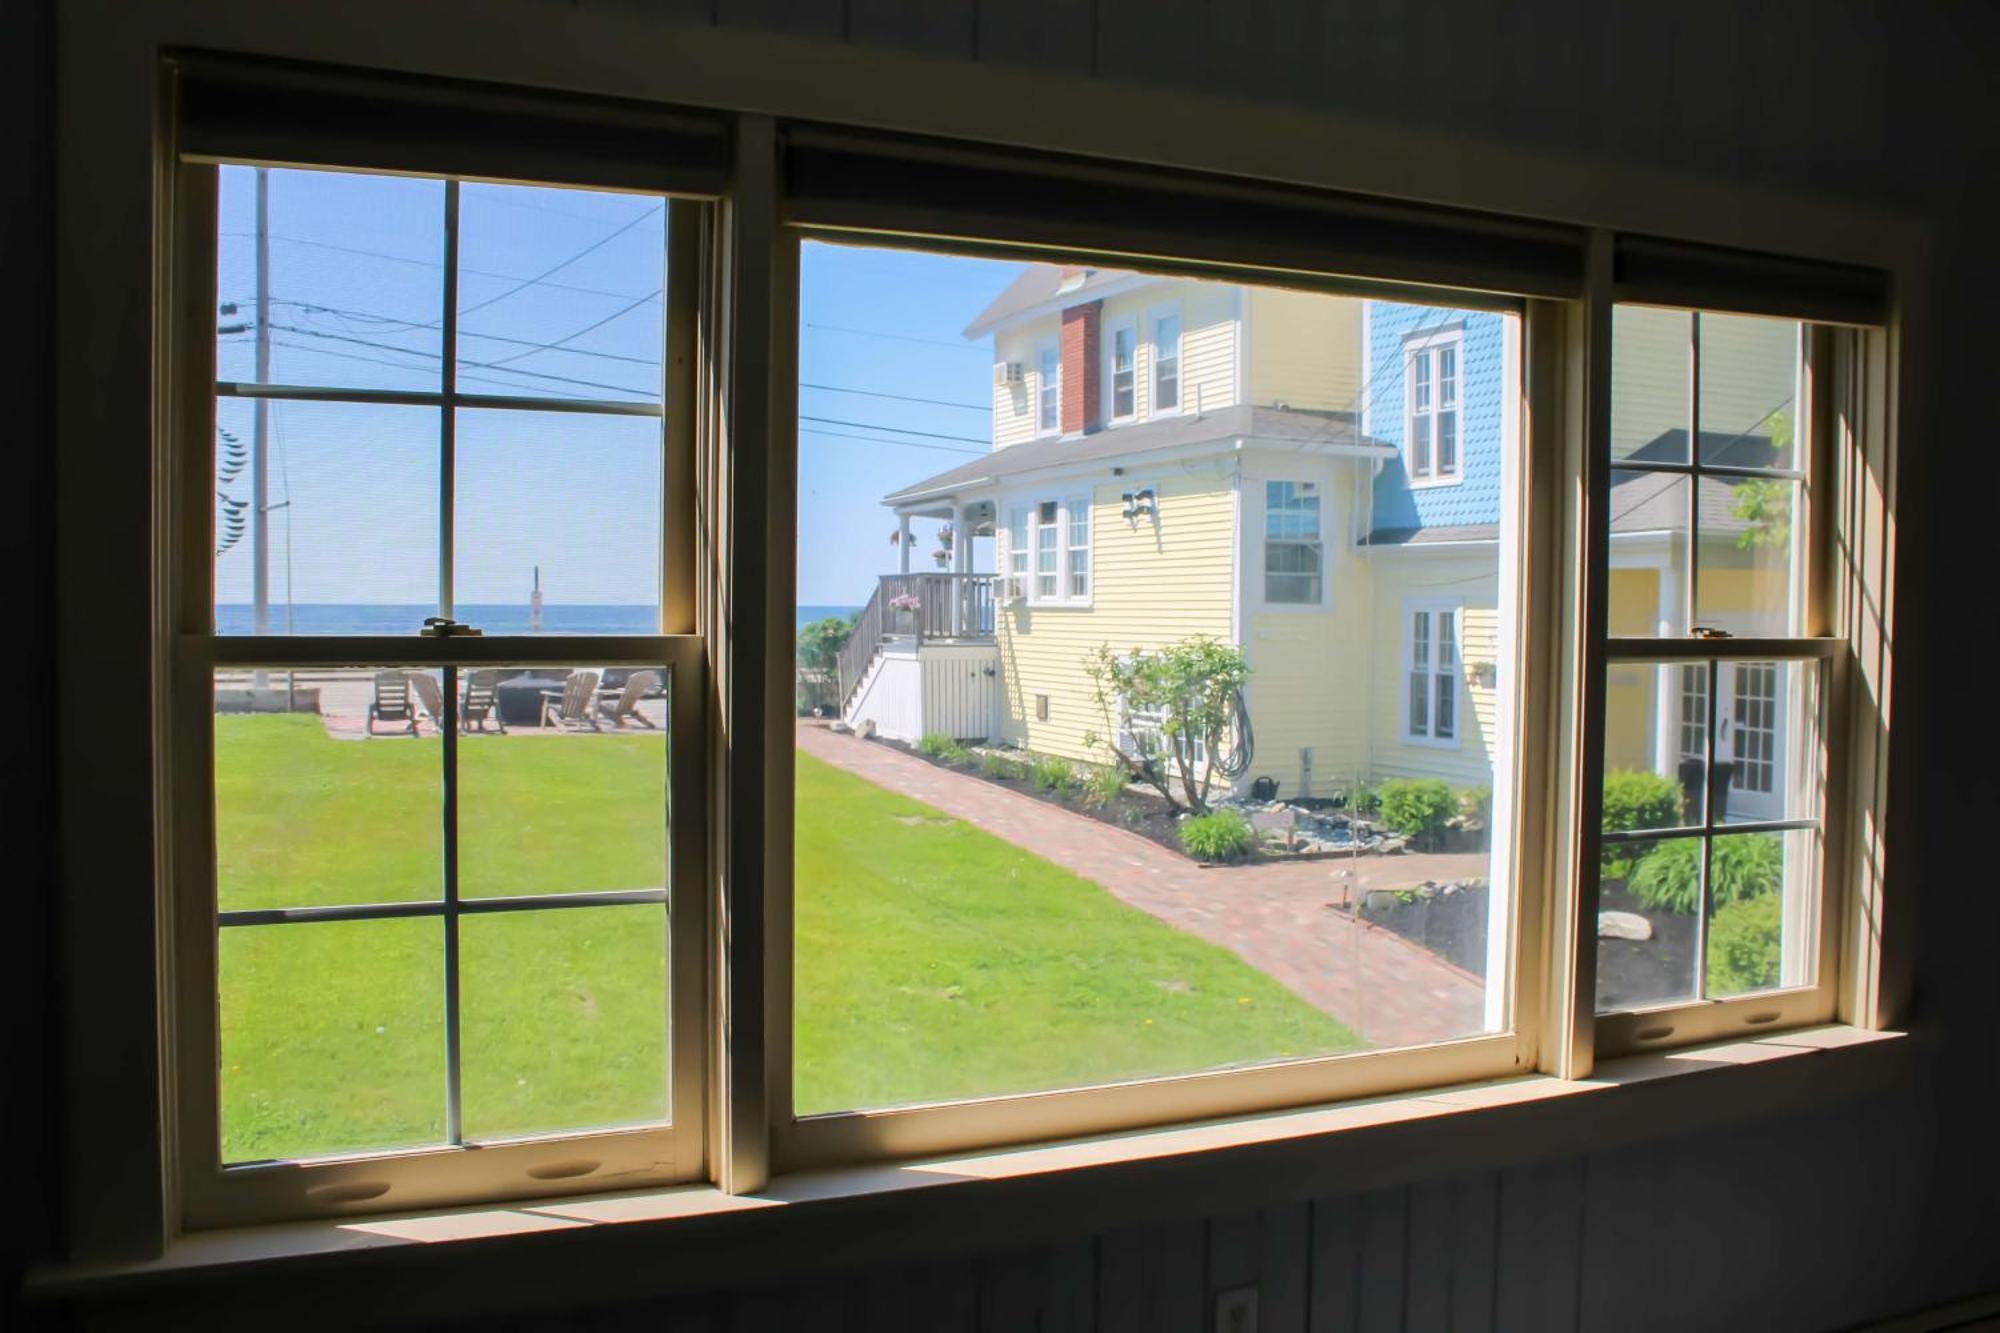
[899,397]
[595,245]
[557,345]
[463,361]
[895,430]
[428,263]
[899,337]
[399,365]
[904,444]
[490,337]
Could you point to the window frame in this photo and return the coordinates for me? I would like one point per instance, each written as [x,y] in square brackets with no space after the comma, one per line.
[1048,387]
[1166,310]
[1031,503]
[1323,599]
[1437,612]
[1426,348]
[1128,324]
[210,1192]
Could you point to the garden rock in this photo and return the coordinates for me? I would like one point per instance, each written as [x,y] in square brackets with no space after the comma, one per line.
[1393,846]
[1623,926]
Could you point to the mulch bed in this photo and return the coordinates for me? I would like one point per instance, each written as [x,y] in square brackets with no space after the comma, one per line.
[1639,972]
[1450,925]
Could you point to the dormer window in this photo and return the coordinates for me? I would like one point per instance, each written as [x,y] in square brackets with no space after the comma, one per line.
[1432,451]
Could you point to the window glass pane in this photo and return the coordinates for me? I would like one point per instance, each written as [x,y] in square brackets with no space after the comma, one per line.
[1749,390]
[1747,582]
[1765,741]
[328,787]
[1649,545]
[1447,428]
[1763,903]
[1655,743]
[353,285]
[1420,444]
[332,1037]
[558,523]
[562,780]
[560,292]
[349,530]
[974,914]
[1647,925]
[565,1019]
[1650,403]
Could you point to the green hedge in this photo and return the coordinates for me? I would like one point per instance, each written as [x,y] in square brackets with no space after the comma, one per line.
[1743,945]
[1417,808]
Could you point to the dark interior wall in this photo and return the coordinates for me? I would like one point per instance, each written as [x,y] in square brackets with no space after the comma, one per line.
[1854,1212]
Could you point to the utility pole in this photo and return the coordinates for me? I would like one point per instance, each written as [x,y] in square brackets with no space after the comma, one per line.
[260,518]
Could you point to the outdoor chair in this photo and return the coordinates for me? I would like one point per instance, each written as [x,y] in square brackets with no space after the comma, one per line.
[570,708]
[392,702]
[431,695]
[625,705]
[480,702]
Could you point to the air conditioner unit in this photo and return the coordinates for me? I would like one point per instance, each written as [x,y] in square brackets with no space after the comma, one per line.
[1009,372]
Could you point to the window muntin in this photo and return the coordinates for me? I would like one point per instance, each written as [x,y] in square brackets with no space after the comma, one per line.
[1122,383]
[1048,389]
[1167,360]
[1432,416]
[1077,514]
[1431,704]
[509,944]
[1294,552]
[1048,539]
[1017,552]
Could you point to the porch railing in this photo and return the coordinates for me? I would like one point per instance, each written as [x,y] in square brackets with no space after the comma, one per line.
[947,606]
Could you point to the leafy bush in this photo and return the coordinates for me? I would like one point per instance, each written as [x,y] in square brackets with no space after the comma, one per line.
[1417,808]
[1103,786]
[1476,803]
[1223,835]
[936,745]
[996,765]
[1053,775]
[1743,945]
[1636,799]
[1194,690]
[1363,799]
[1743,866]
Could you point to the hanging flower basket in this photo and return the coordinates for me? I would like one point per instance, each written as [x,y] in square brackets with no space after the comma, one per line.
[903,608]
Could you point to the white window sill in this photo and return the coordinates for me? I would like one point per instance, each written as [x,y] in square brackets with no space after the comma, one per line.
[599,1248]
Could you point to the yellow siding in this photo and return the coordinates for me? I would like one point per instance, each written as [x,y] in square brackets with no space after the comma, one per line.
[1208,342]
[1472,580]
[1014,404]
[1628,696]
[1309,682]
[1749,367]
[1305,350]
[1154,585]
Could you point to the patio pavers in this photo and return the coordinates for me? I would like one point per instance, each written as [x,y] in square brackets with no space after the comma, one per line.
[1277,917]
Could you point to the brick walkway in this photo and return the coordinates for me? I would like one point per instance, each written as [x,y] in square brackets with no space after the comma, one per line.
[1276,917]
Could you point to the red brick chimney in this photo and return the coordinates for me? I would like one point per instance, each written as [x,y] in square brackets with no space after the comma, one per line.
[1082,400]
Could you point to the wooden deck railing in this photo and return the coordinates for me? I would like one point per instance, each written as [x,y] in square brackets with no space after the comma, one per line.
[947,606]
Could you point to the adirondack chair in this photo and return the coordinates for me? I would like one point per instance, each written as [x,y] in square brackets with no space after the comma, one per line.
[625,705]
[479,702]
[569,709]
[392,702]
[425,686]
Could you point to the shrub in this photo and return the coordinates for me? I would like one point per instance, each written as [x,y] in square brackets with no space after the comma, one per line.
[1743,866]
[995,765]
[1743,945]
[1363,799]
[1636,799]
[1223,835]
[936,745]
[1417,808]
[1476,803]
[1195,690]
[1103,786]
[1052,775]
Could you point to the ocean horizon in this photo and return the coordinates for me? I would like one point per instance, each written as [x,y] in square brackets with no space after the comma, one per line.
[237,618]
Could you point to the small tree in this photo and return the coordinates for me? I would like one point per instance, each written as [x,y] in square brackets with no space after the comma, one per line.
[1191,688]
[819,645]
[1766,505]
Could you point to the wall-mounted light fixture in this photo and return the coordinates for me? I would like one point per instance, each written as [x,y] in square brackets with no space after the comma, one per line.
[1141,502]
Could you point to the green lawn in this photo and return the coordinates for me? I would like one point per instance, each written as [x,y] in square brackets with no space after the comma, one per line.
[935,960]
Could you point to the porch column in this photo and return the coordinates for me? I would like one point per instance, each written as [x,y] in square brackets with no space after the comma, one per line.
[903,544]
[961,551]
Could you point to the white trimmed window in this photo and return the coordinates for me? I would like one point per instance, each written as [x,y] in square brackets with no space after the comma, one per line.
[1048,551]
[1430,660]
[1432,448]
[1166,359]
[1077,515]
[1294,550]
[1048,543]
[1017,553]
[1121,382]
[1048,388]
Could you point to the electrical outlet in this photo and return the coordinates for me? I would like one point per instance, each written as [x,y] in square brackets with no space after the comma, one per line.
[1236,1310]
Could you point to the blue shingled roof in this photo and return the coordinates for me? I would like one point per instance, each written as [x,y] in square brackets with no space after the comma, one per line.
[1475,498]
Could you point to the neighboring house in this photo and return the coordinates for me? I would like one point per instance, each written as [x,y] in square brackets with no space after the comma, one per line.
[1319,479]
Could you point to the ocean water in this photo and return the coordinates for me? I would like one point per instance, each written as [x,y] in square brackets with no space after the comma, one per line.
[557,618]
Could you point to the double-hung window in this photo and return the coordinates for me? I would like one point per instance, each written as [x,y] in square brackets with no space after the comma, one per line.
[1017,552]
[1048,551]
[438,751]
[1432,419]
[1048,389]
[1431,669]
[1166,360]
[1076,512]
[1294,553]
[1122,383]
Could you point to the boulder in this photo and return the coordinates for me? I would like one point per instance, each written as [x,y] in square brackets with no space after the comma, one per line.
[1393,846]
[1623,926]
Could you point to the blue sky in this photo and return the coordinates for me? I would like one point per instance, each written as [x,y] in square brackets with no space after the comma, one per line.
[559,298]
